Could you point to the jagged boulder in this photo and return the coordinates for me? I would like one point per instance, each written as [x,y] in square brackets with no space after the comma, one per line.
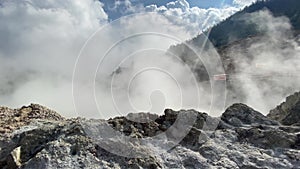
[288,112]
[240,114]
[153,125]
[261,131]
[12,119]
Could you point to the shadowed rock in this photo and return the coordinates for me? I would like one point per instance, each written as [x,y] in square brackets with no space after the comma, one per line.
[239,114]
[288,112]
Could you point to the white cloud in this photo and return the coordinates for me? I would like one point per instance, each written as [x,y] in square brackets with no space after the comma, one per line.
[195,19]
[179,12]
[182,4]
[243,3]
[125,7]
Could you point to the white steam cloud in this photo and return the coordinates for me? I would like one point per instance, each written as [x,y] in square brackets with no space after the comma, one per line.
[268,65]
[39,44]
[41,41]
[137,74]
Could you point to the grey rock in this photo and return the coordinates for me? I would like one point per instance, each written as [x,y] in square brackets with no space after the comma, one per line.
[240,114]
[268,139]
[288,112]
[240,138]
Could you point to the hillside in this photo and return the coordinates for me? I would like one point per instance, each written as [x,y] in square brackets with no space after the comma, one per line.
[236,27]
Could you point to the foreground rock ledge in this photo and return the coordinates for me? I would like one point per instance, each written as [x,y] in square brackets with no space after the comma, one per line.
[36,137]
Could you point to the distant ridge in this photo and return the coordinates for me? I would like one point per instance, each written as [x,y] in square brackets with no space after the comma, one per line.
[222,34]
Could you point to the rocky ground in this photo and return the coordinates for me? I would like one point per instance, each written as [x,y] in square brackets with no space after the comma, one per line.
[36,137]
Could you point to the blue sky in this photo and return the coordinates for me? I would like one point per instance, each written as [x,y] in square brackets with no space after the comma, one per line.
[209,3]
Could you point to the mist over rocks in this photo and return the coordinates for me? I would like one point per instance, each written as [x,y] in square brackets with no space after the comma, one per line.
[242,138]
